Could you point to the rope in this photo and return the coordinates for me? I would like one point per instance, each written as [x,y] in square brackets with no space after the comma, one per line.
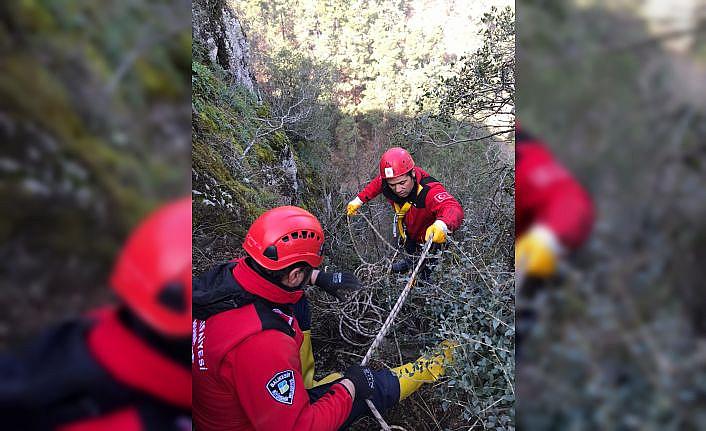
[377,233]
[395,309]
[388,323]
[398,305]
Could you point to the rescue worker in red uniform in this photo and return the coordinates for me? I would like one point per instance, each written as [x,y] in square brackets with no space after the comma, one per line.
[118,368]
[553,217]
[423,208]
[248,346]
[553,213]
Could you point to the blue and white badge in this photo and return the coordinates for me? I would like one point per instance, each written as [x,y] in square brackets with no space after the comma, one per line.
[281,387]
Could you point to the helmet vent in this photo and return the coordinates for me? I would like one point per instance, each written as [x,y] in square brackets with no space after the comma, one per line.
[295,235]
[270,252]
[172,297]
[285,238]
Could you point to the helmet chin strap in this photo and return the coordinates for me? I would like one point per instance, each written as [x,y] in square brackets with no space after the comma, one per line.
[174,348]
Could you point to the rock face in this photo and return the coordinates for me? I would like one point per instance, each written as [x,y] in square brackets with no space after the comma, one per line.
[241,166]
[218,30]
[91,139]
[289,166]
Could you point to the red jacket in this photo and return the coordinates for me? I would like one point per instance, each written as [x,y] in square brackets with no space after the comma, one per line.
[546,193]
[90,374]
[432,203]
[246,368]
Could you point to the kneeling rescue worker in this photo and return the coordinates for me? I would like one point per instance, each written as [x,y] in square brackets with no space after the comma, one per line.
[252,366]
[423,208]
[123,367]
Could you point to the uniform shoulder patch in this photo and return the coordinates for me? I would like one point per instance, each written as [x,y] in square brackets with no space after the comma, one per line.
[281,386]
[440,197]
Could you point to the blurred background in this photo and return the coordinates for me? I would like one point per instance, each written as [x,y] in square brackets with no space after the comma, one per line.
[94,125]
[617,90]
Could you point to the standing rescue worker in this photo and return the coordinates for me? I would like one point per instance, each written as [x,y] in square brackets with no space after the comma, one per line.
[249,353]
[118,368]
[423,208]
[553,212]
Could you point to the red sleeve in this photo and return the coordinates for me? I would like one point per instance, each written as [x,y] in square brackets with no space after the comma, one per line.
[553,196]
[444,206]
[267,360]
[373,189]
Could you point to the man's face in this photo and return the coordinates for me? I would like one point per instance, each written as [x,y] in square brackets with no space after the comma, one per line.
[402,185]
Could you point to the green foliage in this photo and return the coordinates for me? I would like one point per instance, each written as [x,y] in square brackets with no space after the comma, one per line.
[483,83]
[92,96]
[477,90]
[382,55]
[240,165]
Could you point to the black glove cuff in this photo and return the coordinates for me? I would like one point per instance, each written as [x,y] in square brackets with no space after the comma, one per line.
[324,280]
[363,380]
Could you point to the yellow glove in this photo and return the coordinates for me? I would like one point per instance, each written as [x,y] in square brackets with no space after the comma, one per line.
[437,232]
[536,252]
[353,206]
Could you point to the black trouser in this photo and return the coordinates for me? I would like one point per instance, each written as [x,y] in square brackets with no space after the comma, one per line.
[526,315]
[385,396]
[411,247]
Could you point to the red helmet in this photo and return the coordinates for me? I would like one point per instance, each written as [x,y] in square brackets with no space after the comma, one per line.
[395,162]
[153,272]
[283,236]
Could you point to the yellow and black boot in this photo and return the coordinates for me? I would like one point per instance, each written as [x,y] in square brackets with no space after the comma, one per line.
[413,375]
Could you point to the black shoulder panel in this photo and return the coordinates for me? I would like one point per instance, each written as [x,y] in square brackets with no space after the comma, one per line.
[217,291]
[272,320]
[55,380]
[426,180]
[420,201]
[522,136]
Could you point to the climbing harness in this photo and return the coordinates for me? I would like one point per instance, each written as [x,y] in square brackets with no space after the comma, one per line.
[398,218]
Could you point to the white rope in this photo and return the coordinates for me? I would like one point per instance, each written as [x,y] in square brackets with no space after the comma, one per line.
[398,305]
[388,323]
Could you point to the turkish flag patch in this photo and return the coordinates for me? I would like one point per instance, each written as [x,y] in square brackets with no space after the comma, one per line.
[281,386]
[442,197]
